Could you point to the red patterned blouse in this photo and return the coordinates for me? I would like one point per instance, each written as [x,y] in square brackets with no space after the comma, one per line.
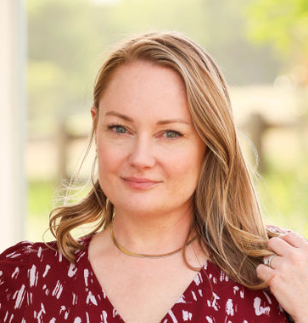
[37,284]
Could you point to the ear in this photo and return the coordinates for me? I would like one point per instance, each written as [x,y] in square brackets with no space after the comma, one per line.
[94,114]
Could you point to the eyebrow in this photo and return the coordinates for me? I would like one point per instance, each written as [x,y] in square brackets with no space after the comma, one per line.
[161,122]
[117,114]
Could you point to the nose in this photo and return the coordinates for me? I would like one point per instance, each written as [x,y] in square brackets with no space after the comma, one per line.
[141,154]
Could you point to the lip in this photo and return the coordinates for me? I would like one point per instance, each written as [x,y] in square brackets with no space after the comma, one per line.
[140,183]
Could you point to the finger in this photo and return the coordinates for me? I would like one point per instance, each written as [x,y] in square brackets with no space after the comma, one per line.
[295,240]
[280,246]
[265,273]
[273,261]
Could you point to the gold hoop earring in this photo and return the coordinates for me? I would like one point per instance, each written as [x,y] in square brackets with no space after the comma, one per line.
[93,170]
[107,203]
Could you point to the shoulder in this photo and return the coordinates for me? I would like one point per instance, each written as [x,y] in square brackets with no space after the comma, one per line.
[19,262]
[18,257]
[230,300]
[27,255]
[15,275]
[27,268]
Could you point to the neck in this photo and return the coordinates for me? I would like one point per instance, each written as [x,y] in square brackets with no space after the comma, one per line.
[152,235]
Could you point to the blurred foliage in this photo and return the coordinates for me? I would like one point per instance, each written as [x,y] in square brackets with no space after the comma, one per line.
[68,39]
[41,194]
[281,23]
[40,200]
[283,195]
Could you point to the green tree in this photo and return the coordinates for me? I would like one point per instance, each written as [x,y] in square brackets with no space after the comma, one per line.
[66,37]
[281,23]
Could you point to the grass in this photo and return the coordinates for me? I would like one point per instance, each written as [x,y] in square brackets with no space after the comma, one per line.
[283,194]
[40,198]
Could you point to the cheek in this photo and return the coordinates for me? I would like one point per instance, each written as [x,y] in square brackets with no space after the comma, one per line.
[185,168]
[108,159]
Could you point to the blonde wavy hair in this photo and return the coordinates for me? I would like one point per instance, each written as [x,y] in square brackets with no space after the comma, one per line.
[227,216]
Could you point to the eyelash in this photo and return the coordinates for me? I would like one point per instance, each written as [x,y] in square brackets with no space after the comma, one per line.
[113,127]
[178,134]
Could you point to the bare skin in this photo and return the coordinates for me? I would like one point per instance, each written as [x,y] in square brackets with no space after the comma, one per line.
[149,161]
[141,290]
[288,275]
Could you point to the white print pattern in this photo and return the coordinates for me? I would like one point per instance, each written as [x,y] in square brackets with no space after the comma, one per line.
[46,271]
[198,279]
[39,253]
[174,320]
[235,289]
[104,315]
[33,276]
[75,299]
[194,296]
[229,307]
[260,309]
[57,290]
[72,270]
[242,294]
[187,316]
[20,295]
[15,273]
[214,302]
[181,299]
[86,276]
[39,285]
[40,313]
[267,297]
[91,298]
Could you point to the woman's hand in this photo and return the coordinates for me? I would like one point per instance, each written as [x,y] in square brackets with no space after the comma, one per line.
[287,275]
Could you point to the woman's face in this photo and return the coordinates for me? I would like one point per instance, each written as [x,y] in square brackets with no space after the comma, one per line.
[149,154]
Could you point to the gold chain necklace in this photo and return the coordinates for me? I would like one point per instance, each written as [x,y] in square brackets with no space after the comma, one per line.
[143,255]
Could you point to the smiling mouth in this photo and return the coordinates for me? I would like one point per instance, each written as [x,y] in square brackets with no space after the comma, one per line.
[140,183]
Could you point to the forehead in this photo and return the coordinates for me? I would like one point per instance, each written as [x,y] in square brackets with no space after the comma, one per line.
[141,86]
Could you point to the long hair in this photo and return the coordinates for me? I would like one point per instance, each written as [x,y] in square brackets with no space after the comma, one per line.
[227,216]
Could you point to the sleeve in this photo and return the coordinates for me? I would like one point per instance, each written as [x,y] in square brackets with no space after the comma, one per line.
[14,263]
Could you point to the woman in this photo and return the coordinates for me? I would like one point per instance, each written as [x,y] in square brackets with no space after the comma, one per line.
[182,236]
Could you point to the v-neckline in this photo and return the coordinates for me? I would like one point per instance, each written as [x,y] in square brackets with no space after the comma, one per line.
[200,276]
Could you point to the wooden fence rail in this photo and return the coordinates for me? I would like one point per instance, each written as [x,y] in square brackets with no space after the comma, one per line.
[256,126]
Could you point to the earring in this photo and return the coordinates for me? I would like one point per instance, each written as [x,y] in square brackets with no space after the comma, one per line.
[93,170]
[107,204]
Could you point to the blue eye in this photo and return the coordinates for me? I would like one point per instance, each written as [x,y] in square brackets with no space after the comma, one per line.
[171,134]
[117,128]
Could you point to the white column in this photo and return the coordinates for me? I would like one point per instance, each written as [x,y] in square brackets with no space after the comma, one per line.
[12,121]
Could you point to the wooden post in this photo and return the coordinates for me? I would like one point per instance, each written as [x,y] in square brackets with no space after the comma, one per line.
[257,126]
[62,147]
